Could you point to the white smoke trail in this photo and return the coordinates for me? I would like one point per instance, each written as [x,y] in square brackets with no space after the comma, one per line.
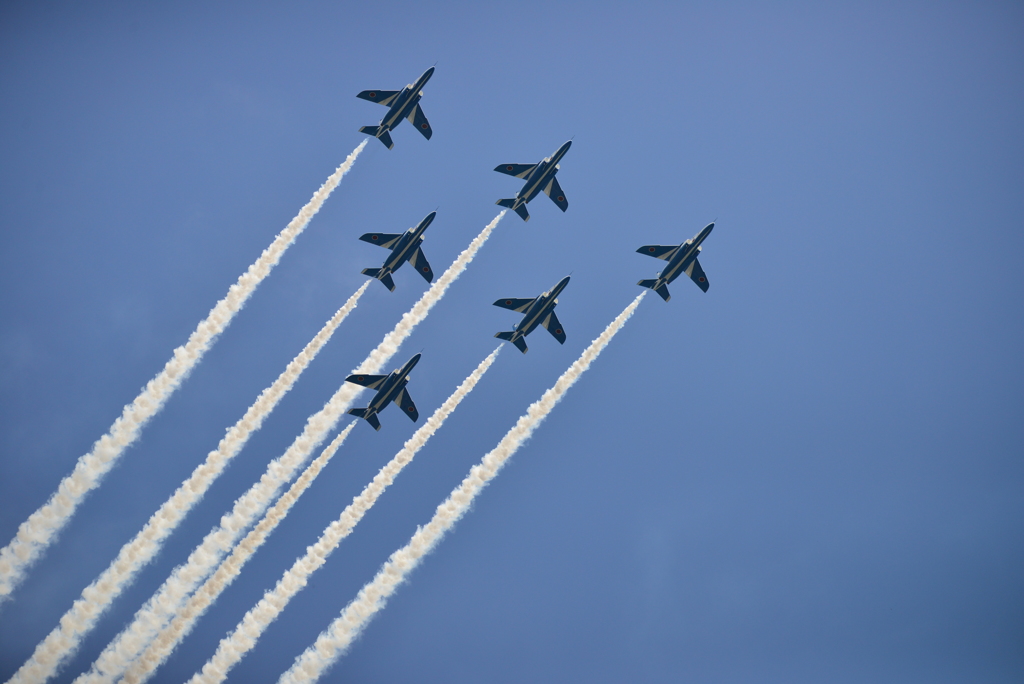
[62,642]
[333,642]
[243,638]
[162,606]
[41,528]
[143,667]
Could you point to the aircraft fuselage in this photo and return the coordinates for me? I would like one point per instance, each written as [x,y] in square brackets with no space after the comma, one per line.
[686,253]
[540,176]
[407,245]
[406,100]
[388,391]
[539,310]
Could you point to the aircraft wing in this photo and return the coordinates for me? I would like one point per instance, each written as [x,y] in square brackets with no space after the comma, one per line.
[418,119]
[696,274]
[554,327]
[554,191]
[405,402]
[419,262]
[388,240]
[520,305]
[517,170]
[370,381]
[384,97]
[663,252]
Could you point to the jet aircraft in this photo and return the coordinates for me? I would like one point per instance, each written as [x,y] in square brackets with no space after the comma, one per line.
[389,388]
[539,311]
[681,259]
[404,247]
[403,104]
[539,176]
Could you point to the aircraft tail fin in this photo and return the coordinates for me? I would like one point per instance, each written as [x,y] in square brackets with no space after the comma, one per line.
[383,136]
[365,414]
[661,290]
[508,203]
[386,279]
[523,214]
[518,341]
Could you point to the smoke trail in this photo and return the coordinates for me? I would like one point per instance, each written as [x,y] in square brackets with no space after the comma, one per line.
[229,569]
[240,641]
[331,643]
[163,605]
[62,642]
[41,528]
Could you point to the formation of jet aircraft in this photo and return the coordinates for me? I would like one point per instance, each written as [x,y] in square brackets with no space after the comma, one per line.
[402,104]
[681,259]
[389,388]
[539,176]
[539,311]
[404,247]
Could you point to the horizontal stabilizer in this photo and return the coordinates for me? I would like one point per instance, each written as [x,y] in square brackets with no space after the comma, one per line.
[386,279]
[380,134]
[652,284]
[510,203]
[365,414]
[518,341]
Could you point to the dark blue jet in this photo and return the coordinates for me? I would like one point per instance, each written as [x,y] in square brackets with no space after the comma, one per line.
[539,311]
[389,388]
[404,247]
[403,104]
[539,176]
[681,259]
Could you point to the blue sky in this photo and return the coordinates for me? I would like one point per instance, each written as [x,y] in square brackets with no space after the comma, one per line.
[810,473]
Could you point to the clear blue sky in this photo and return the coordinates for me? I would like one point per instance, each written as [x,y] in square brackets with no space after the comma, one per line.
[811,473]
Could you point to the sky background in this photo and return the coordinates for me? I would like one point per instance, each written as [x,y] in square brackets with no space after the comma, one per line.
[811,473]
